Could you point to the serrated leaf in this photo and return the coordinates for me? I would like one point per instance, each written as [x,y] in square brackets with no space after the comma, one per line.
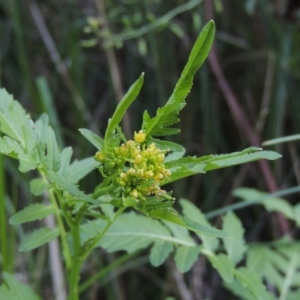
[31,213]
[12,289]
[185,257]
[208,230]
[12,117]
[65,159]
[187,166]
[64,184]
[41,125]
[38,186]
[31,140]
[131,232]
[192,212]
[265,199]
[235,245]
[241,159]
[253,283]
[53,152]
[166,116]
[167,214]
[80,168]
[171,215]
[12,148]
[160,252]
[222,264]
[93,138]
[38,238]
[126,101]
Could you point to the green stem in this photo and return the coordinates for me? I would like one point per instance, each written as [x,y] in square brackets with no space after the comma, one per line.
[77,260]
[100,236]
[116,263]
[60,224]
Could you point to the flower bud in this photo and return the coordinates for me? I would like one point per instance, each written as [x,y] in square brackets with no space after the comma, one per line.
[139,137]
[99,156]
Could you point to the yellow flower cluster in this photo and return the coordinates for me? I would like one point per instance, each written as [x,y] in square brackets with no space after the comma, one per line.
[139,169]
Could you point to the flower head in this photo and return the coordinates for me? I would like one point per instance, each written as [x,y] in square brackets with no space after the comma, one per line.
[137,171]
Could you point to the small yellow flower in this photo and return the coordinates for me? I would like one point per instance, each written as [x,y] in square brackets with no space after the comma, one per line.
[139,137]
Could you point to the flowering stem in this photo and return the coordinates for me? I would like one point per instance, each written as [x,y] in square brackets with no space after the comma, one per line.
[78,258]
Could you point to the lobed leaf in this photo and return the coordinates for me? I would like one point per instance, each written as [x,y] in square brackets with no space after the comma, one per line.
[167,115]
[131,232]
[188,166]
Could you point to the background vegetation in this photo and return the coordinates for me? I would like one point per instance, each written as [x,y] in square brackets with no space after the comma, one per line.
[75,59]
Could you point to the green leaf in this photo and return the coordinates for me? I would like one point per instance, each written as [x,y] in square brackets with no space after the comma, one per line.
[241,159]
[131,232]
[53,152]
[64,184]
[93,138]
[160,252]
[193,212]
[167,115]
[30,140]
[171,215]
[188,166]
[122,107]
[31,213]
[80,168]
[12,117]
[65,159]
[12,148]
[239,290]
[176,151]
[252,281]
[185,257]
[297,214]
[41,125]
[235,245]
[38,238]
[257,259]
[194,226]
[167,214]
[12,289]
[265,199]
[222,264]
[38,186]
